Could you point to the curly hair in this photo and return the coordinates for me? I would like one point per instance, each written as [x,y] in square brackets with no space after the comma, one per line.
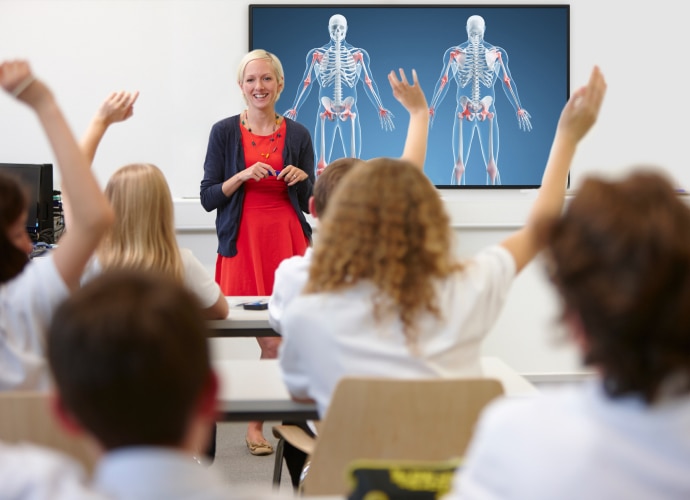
[620,258]
[143,236]
[386,223]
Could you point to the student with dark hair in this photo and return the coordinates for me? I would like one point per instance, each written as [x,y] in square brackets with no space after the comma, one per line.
[31,290]
[620,261]
[131,364]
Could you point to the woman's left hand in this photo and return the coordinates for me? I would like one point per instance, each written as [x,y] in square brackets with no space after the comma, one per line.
[292,175]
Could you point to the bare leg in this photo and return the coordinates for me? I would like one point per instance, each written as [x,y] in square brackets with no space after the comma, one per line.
[255,434]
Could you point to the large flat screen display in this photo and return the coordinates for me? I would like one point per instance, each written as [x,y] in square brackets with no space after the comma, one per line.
[495,77]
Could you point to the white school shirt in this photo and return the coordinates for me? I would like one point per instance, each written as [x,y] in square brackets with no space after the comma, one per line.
[575,443]
[148,473]
[196,278]
[29,472]
[27,304]
[330,335]
[290,277]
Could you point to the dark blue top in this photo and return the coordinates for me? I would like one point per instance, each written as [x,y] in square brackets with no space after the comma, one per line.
[225,157]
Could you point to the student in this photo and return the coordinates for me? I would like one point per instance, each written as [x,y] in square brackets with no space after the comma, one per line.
[130,359]
[387,296]
[143,236]
[620,261]
[31,290]
[292,273]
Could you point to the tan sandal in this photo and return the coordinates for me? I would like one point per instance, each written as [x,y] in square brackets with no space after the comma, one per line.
[259,448]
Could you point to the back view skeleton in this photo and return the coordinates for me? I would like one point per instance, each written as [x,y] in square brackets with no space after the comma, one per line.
[338,67]
[476,66]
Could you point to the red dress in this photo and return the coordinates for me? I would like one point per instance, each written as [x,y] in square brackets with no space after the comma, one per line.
[269,228]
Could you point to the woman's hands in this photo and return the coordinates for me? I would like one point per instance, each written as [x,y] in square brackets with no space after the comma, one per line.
[291,175]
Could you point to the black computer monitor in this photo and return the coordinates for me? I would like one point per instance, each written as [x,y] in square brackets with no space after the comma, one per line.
[37,178]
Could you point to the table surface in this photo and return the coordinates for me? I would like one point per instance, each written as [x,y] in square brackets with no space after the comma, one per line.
[254,389]
[241,322]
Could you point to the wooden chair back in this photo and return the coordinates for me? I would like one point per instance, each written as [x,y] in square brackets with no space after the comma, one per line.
[27,417]
[395,419]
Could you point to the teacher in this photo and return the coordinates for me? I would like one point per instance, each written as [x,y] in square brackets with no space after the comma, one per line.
[258,176]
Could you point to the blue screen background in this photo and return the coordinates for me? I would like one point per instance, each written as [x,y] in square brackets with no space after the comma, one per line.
[536,39]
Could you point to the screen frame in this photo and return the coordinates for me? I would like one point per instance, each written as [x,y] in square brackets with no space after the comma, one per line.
[543,99]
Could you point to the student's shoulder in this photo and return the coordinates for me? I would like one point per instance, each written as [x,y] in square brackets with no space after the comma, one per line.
[31,471]
[520,414]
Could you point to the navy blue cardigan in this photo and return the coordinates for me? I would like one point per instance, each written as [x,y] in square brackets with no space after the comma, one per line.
[225,157]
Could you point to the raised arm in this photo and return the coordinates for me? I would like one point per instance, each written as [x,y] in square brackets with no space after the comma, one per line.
[577,117]
[413,99]
[117,107]
[92,213]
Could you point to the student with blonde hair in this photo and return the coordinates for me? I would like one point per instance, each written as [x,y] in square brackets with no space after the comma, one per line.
[143,236]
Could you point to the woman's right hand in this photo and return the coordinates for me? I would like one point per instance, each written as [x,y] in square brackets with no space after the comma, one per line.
[256,172]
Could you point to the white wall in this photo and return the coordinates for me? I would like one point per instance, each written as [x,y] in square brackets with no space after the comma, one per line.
[182,56]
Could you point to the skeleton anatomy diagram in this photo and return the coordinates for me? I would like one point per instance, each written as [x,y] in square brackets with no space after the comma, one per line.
[476,66]
[338,67]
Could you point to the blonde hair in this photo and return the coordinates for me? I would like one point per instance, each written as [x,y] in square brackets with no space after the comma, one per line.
[272,58]
[143,236]
[386,224]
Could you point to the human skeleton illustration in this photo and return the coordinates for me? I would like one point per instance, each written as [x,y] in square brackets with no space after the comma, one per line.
[338,67]
[476,66]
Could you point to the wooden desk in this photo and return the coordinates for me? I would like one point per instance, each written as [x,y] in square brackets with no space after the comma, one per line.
[254,390]
[242,323]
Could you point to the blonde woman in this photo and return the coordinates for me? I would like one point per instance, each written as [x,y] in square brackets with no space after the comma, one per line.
[258,175]
[387,296]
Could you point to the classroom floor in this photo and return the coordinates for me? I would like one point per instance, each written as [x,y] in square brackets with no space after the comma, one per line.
[240,467]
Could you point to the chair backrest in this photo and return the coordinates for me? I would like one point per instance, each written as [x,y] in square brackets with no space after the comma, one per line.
[375,418]
[27,417]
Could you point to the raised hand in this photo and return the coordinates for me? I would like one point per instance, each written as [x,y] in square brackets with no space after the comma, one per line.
[582,109]
[410,96]
[117,107]
[17,79]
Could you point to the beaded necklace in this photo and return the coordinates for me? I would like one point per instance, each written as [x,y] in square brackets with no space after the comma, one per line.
[272,140]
